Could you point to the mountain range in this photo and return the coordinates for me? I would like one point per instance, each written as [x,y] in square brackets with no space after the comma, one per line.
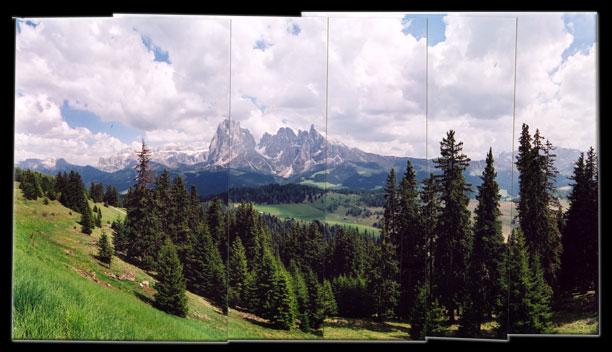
[235,159]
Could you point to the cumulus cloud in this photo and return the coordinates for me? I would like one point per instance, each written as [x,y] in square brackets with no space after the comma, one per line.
[278,73]
[41,132]
[471,77]
[377,85]
[112,68]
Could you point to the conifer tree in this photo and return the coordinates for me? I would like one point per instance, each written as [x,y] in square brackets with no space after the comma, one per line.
[454,233]
[204,271]
[144,176]
[88,221]
[178,218]
[283,302]
[411,246]
[315,304]
[579,270]
[427,316]
[391,207]
[487,257]
[170,296]
[218,229]
[525,310]
[382,277]
[120,236]
[300,291]
[30,185]
[237,274]
[537,220]
[145,232]
[329,301]
[105,250]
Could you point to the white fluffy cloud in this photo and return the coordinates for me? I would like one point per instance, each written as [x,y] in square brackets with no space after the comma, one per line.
[377,85]
[278,73]
[471,84]
[40,132]
[376,81]
[102,65]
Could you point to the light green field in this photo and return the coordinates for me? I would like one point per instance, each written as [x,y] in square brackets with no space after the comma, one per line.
[307,212]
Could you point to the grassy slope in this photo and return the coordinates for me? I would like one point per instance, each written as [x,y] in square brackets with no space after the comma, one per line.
[55,295]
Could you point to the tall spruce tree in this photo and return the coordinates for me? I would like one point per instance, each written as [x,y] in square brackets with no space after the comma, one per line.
[526,307]
[454,233]
[537,219]
[382,277]
[217,226]
[144,174]
[579,269]
[487,257]
[391,208]
[412,249]
[205,272]
[237,274]
[170,285]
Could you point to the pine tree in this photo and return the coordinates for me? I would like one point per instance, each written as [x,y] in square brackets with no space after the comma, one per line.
[30,185]
[329,301]
[120,236]
[178,218]
[88,221]
[144,227]
[427,316]
[237,274]
[382,277]
[105,250]
[144,176]
[487,257]
[391,207]
[170,296]
[525,310]
[204,270]
[579,270]
[216,224]
[315,307]
[453,244]
[537,220]
[283,302]
[412,242]
[298,285]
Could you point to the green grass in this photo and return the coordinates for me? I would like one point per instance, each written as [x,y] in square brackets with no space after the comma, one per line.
[576,314]
[308,212]
[299,211]
[55,295]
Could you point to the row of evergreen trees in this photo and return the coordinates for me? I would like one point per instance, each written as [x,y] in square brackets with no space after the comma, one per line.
[431,265]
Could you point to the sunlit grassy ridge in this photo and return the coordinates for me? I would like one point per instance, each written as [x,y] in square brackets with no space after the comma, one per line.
[62,292]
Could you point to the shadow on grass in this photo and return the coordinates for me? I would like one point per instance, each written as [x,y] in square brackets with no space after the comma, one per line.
[143,298]
[569,308]
[368,324]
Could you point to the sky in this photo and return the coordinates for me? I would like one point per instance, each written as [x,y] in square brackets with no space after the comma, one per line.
[87,88]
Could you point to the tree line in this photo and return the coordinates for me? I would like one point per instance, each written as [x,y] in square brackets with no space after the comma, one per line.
[431,265]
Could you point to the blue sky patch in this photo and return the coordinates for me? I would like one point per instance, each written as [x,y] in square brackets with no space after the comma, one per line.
[87,119]
[160,55]
[253,100]
[262,44]
[583,27]
[27,22]
[294,29]
[421,25]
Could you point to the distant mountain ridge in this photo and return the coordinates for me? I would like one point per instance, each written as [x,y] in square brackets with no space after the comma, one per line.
[286,157]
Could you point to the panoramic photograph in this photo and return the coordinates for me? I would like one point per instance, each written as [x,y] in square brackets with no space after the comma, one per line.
[389,177]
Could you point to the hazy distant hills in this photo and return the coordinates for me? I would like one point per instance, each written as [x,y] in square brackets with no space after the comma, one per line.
[285,157]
